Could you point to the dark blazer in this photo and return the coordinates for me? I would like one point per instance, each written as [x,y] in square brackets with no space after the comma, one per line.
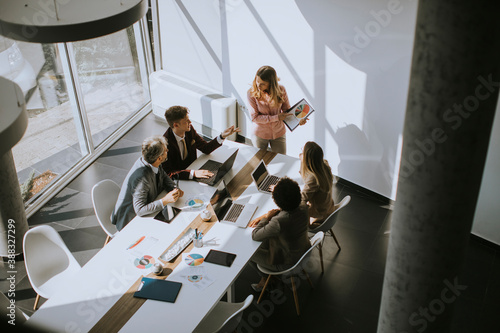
[174,164]
[284,236]
[139,192]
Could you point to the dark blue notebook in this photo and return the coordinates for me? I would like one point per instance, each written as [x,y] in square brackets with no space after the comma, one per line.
[160,290]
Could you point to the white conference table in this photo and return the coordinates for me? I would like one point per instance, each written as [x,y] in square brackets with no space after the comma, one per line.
[85,299]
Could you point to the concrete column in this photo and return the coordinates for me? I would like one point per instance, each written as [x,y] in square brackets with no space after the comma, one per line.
[451,105]
[13,123]
[13,224]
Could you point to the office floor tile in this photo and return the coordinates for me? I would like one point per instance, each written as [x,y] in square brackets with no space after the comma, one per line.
[150,125]
[121,155]
[94,174]
[69,208]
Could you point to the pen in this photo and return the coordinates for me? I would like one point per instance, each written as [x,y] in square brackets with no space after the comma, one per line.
[136,242]
[196,233]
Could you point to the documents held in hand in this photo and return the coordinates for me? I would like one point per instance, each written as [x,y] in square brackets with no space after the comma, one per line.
[301,110]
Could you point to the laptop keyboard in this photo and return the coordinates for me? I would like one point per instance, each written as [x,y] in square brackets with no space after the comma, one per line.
[271,180]
[234,212]
[212,166]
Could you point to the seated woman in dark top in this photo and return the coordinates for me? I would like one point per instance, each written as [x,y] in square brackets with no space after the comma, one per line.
[283,231]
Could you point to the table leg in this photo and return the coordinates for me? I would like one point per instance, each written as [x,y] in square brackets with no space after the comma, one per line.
[230,293]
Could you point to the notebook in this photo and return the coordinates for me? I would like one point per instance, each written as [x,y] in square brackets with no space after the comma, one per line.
[228,211]
[219,169]
[263,179]
[160,290]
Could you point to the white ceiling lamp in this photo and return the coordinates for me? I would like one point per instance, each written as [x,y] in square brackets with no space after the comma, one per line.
[54,21]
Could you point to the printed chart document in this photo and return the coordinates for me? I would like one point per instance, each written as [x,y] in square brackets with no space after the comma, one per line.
[301,110]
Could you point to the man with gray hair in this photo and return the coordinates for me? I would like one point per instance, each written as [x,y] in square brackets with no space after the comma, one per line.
[144,182]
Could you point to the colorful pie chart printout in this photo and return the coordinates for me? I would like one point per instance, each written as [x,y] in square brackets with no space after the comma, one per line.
[144,262]
[195,278]
[301,111]
[195,202]
[194,259]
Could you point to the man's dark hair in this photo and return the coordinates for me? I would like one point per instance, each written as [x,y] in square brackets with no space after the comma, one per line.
[175,113]
[286,194]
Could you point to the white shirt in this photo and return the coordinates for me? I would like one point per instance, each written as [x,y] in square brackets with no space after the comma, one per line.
[220,140]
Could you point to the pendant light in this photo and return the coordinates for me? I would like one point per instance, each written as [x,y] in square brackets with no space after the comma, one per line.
[55,21]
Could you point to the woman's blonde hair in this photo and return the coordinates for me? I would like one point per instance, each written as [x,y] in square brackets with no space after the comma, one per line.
[313,163]
[268,74]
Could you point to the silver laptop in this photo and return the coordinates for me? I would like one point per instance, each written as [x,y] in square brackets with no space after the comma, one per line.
[263,179]
[228,211]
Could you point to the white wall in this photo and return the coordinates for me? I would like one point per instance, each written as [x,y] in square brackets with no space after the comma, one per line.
[349,59]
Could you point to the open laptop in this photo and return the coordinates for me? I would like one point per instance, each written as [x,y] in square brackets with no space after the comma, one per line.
[219,169]
[229,212]
[263,179]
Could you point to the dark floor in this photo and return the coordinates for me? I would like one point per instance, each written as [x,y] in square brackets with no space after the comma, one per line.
[345,298]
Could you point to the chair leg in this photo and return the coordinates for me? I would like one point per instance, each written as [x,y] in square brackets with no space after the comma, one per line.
[335,238]
[295,296]
[264,289]
[37,299]
[308,279]
[320,248]
[107,240]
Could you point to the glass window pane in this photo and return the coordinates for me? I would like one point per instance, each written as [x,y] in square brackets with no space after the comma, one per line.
[51,144]
[113,80]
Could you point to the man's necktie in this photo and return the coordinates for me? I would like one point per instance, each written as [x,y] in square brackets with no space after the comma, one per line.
[185,151]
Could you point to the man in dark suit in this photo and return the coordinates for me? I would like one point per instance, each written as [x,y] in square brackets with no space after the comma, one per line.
[144,182]
[183,140]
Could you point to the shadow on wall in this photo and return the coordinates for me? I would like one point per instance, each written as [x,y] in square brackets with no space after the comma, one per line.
[357,155]
[374,37]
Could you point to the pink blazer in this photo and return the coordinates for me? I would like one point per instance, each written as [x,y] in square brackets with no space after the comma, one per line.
[265,116]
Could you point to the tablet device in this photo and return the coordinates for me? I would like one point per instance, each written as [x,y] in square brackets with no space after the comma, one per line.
[167,214]
[220,258]
[160,290]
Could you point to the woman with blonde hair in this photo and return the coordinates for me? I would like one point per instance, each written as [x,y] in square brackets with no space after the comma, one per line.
[268,101]
[318,180]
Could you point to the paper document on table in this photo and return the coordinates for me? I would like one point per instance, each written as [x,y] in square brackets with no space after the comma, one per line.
[142,246]
[197,276]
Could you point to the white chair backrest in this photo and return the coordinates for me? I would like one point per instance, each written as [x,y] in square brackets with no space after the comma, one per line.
[104,196]
[315,241]
[233,321]
[332,219]
[45,255]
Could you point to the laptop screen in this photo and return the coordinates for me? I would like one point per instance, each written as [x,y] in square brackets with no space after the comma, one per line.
[260,173]
[226,166]
[221,201]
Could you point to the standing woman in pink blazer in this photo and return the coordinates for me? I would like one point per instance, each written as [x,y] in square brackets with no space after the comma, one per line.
[268,100]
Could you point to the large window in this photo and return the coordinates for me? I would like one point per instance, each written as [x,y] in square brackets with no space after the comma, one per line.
[78,94]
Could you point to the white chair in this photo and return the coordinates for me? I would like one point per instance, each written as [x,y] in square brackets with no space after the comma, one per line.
[330,221]
[224,317]
[49,263]
[104,196]
[315,241]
